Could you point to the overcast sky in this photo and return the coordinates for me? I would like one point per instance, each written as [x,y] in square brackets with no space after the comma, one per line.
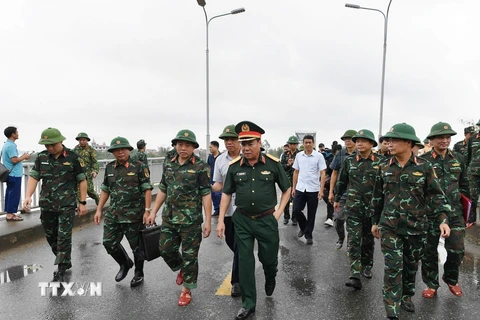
[137,68]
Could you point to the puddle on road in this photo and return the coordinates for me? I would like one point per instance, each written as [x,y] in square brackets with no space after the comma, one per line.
[18,272]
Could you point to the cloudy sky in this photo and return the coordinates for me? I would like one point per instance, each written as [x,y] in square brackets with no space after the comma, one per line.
[137,68]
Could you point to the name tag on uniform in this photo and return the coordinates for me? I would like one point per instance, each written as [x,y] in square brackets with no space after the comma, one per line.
[388,174]
[45,163]
[110,175]
[241,173]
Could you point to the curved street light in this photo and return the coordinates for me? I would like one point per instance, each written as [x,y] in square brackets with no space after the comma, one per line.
[385,17]
[202,3]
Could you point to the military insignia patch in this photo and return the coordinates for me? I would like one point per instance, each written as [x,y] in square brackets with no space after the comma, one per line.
[417,174]
[445,127]
[456,164]
[375,167]
[245,127]
[66,163]
[361,132]
[130,173]
[186,134]
[227,130]
[45,137]
[265,172]
[191,171]
[117,142]
[146,173]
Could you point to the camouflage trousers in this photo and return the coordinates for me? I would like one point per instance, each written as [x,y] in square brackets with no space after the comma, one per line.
[189,237]
[474,181]
[58,231]
[361,244]
[114,231]
[90,190]
[401,254]
[455,251]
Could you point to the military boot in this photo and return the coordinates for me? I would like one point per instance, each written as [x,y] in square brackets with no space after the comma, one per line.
[59,275]
[138,277]
[124,261]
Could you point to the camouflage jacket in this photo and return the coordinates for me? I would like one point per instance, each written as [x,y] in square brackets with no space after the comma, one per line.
[126,185]
[284,162]
[254,185]
[185,185]
[401,197]
[451,172]
[462,148]
[473,159]
[358,175]
[59,178]
[88,156]
[140,156]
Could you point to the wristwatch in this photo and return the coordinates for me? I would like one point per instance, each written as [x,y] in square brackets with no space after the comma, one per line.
[83,202]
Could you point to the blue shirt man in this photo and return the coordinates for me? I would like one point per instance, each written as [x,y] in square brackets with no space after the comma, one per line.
[12,162]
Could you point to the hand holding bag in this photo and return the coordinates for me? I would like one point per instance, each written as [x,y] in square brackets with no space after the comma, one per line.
[149,238]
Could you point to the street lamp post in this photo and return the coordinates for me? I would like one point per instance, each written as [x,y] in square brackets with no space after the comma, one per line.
[207,23]
[385,17]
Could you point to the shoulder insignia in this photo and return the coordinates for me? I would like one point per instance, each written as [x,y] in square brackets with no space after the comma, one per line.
[146,172]
[417,174]
[235,160]
[272,157]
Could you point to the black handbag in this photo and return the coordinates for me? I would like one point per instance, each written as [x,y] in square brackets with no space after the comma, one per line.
[150,238]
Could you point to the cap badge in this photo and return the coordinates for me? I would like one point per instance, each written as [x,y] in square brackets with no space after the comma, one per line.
[227,130]
[245,127]
[361,132]
[117,142]
[45,137]
[186,134]
[445,127]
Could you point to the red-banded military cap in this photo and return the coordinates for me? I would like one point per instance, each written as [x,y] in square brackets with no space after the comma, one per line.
[247,130]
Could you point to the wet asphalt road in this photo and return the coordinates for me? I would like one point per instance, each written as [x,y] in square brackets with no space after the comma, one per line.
[310,284]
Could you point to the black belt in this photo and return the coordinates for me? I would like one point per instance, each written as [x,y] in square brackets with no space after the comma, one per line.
[258,216]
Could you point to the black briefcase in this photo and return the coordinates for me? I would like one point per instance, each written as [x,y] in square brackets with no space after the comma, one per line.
[150,237]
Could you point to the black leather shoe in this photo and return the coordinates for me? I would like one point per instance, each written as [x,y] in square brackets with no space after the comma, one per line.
[137,279]
[301,233]
[309,241]
[354,283]
[408,306]
[367,273]
[294,222]
[236,290]
[244,313]
[270,286]
[285,221]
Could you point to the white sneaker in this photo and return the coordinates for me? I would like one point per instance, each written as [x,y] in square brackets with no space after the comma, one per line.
[328,222]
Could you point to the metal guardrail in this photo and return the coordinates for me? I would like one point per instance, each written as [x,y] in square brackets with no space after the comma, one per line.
[155,164]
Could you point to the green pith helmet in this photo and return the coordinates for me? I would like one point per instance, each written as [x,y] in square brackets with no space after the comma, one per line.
[440,129]
[470,129]
[119,143]
[141,144]
[426,141]
[51,136]
[293,140]
[402,131]
[348,134]
[366,134]
[187,136]
[82,135]
[229,132]
[301,148]
[419,145]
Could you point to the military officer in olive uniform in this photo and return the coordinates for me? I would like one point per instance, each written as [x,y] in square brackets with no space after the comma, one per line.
[140,154]
[184,188]
[127,184]
[462,146]
[252,176]
[88,156]
[287,160]
[473,162]
[406,192]
[451,171]
[61,173]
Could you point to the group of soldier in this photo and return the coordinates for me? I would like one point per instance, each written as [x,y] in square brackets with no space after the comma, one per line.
[406,201]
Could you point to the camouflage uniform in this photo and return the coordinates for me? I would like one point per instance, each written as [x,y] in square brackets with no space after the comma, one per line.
[182,217]
[289,171]
[473,162]
[462,148]
[399,206]
[58,199]
[125,184]
[358,176]
[88,156]
[452,177]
